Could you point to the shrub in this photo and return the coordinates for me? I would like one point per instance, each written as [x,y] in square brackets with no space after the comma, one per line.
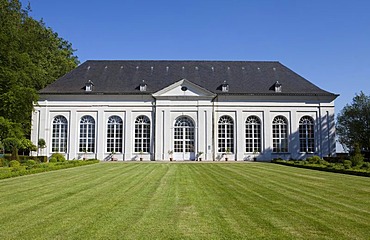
[14,164]
[4,162]
[59,157]
[314,160]
[357,159]
[43,167]
[365,165]
[347,164]
[334,159]
[52,160]
[30,163]
[42,159]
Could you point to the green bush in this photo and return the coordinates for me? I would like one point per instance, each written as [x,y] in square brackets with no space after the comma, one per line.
[330,167]
[59,157]
[357,160]
[347,164]
[314,160]
[30,163]
[43,167]
[366,165]
[14,164]
[42,159]
[53,160]
[24,159]
[4,162]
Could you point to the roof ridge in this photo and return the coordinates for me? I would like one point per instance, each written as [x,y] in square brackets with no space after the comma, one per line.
[164,60]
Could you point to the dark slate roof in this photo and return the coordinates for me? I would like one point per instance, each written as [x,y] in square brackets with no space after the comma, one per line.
[124,77]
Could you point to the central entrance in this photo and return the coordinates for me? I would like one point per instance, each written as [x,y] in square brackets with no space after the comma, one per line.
[184,139]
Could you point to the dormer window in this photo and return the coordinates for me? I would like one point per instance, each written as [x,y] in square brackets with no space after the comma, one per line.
[278,87]
[143,86]
[225,87]
[89,86]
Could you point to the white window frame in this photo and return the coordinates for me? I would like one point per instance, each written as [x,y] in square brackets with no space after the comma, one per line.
[280,135]
[225,134]
[307,135]
[142,134]
[59,138]
[184,135]
[87,140]
[253,134]
[114,134]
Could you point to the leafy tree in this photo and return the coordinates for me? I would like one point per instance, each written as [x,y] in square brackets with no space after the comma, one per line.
[31,56]
[1,147]
[13,144]
[41,144]
[357,159]
[27,145]
[9,129]
[353,123]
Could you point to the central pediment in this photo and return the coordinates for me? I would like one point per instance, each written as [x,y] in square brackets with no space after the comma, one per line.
[184,88]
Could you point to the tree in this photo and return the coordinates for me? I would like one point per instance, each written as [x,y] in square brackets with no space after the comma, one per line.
[27,145]
[353,123]
[13,144]
[31,56]
[2,150]
[41,144]
[357,158]
[9,129]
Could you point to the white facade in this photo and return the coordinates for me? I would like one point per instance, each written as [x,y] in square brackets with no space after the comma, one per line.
[186,122]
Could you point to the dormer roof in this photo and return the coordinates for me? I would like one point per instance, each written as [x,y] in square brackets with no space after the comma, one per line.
[242,77]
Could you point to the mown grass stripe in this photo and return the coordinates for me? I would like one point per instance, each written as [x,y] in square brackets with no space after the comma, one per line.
[185,201]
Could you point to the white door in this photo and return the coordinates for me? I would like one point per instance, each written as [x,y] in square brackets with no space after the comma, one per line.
[184,139]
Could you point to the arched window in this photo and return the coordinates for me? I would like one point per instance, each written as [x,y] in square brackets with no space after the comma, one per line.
[114,134]
[225,134]
[280,134]
[87,134]
[253,134]
[184,133]
[59,134]
[307,134]
[142,134]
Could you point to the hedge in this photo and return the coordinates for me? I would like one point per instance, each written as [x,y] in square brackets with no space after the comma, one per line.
[8,172]
[357,172]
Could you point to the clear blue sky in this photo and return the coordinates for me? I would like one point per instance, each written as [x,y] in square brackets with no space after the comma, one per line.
[327,41]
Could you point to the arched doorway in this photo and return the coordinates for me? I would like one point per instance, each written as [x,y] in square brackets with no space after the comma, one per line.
[184,139]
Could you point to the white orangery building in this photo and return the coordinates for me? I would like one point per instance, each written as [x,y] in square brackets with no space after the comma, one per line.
[157,110]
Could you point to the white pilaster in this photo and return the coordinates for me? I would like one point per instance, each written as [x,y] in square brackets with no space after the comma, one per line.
[239,132]
[73,135]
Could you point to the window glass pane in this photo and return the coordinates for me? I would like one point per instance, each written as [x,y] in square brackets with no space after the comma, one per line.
[184,135]
[87,134]
[280,134]
[307,134]
[253,134]
[225,134]
[114,134]
[59,134]
[142,134]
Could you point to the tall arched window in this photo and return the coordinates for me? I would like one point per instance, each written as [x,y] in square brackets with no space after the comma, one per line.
[142,134]
[184,133]
[59,134]
[307,134]
[253,134]
[87,134]
[114,134]
[225,134]
[280,134]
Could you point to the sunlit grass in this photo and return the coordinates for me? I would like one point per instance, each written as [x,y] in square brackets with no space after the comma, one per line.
[185,201]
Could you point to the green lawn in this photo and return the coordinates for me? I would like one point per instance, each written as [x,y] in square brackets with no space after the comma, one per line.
[185,201]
